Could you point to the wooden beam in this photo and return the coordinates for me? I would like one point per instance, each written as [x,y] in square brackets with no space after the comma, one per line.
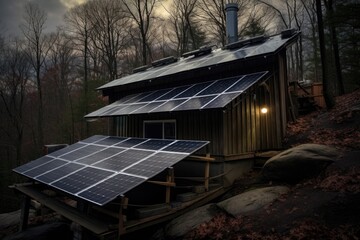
[200,158]
[167,184]
[96,226]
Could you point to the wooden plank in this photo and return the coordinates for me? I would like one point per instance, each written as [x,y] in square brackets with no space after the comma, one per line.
[200,158]
[167,184]
[68,212]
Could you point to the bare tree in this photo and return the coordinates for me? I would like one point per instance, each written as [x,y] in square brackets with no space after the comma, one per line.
[185,25]
[14,79]
[79,27]
[142,13]
[213,15]
[37,48]
[109,32]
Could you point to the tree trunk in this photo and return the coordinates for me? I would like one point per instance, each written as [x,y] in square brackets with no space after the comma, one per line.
[329,98]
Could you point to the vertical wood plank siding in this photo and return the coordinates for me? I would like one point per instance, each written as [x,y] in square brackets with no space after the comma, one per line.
[246,129]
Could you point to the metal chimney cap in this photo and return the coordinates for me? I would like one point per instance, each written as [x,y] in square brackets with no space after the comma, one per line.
[232,5]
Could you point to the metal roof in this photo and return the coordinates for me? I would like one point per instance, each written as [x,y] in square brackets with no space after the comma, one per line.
[258,46]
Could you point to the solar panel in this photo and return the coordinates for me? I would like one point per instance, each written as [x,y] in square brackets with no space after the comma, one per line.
[111,188]
[155,164]
[58,173]
[189,97]
[81,179]
[100,168]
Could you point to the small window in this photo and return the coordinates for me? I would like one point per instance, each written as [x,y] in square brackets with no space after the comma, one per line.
[163,129]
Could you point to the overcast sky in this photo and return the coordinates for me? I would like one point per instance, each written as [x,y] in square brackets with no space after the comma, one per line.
[12,12]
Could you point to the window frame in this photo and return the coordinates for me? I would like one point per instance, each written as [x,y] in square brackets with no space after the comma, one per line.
[163,126]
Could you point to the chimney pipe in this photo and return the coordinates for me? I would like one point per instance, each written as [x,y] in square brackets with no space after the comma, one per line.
[231,22]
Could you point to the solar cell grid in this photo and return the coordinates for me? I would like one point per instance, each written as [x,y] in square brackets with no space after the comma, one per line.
[148,107]
[193,90]
[221,100]
[131,142]
[101,155]
[195,103]
[219,86]
[154,95]
[125,159]
[44,168]
[110,141]
[67,149]
[155,164]
[168,106]
[81,152]
[58,173]
[111,188]
[246,82]
[33,164]
[174,92]
[184,146]
[93,139]
[81,179]
[154,144]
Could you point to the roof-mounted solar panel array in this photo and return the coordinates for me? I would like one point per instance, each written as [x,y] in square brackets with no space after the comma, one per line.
[202,59]
[206,95]
[101,168]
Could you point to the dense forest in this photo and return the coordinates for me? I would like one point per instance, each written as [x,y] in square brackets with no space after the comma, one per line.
[48,80]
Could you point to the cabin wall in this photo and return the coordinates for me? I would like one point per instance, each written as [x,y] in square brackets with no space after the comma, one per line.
[190,125]
[246,129]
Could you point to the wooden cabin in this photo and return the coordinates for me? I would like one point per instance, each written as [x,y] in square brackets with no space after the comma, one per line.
[206,115]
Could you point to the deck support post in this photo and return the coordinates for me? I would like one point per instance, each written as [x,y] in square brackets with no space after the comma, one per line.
[122,216]
[207,173]
[169,179]
[24,215]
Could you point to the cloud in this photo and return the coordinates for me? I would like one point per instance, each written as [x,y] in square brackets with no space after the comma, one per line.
[72,3]
[12,12]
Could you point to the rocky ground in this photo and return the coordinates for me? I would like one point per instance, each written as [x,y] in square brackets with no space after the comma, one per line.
[323,207]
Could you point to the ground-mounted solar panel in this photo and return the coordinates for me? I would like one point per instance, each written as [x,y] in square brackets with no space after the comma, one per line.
[111,188]
[123,160]
[30,165]
[81,152]
[67,149]
[100,168]
[81,179]
[183,98]
[48,166]
[101,155]
[155,164]
[59,172]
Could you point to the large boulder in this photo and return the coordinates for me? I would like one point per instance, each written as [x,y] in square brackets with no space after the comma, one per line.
[252,200]
[180,226]
[298,163]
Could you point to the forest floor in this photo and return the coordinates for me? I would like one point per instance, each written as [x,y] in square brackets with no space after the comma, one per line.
[325,207]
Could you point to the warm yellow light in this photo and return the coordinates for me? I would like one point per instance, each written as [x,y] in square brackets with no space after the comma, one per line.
[264,110]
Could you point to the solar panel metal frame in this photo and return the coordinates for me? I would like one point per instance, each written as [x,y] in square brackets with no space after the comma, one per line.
[81,178]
